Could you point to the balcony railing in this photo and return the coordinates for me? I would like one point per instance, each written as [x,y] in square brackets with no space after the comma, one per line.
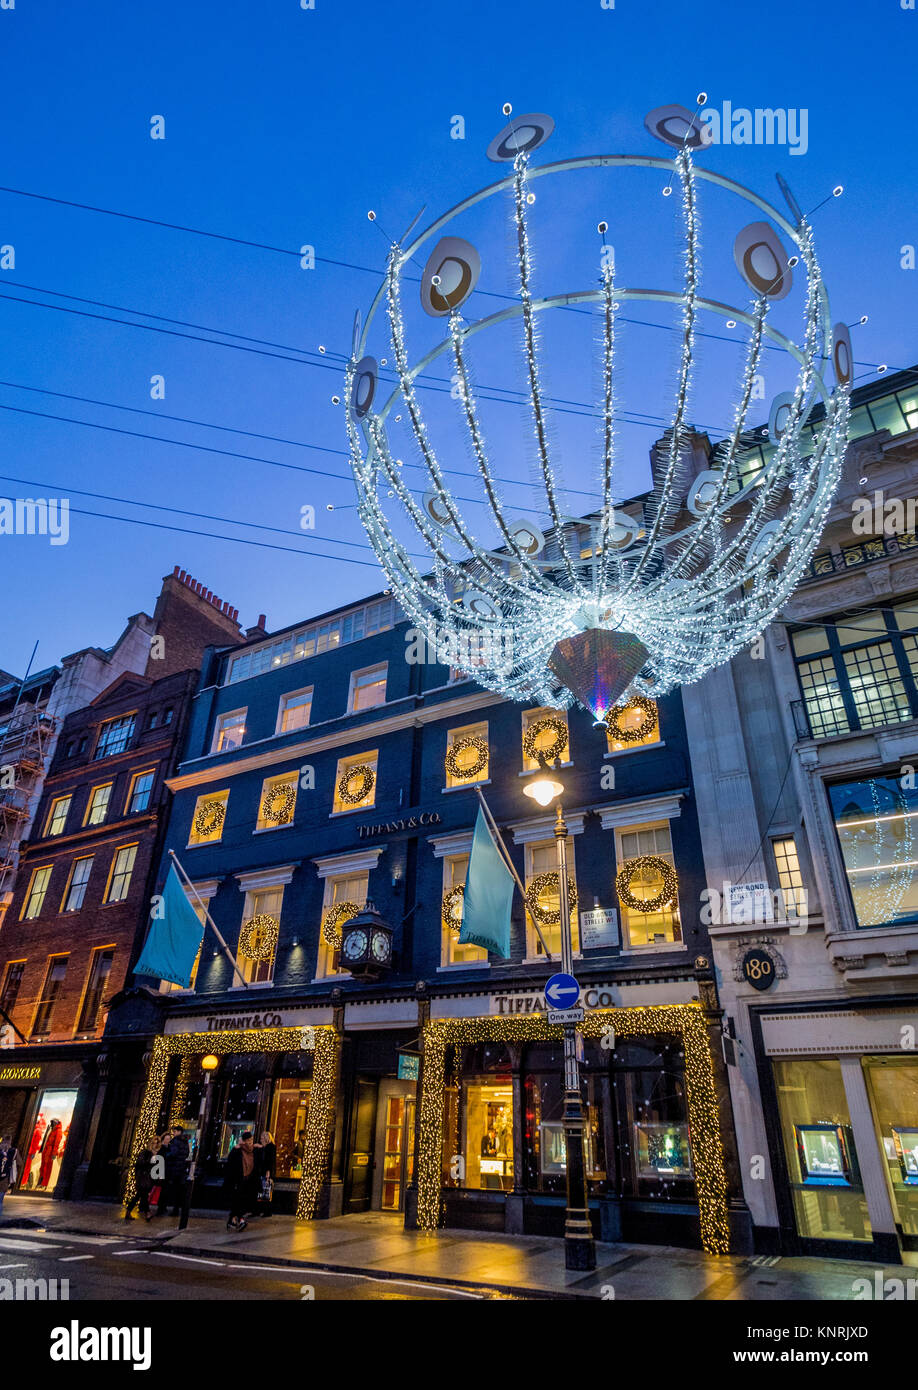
[863,553]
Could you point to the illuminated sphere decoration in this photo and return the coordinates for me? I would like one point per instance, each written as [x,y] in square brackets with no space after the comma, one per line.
[552,602]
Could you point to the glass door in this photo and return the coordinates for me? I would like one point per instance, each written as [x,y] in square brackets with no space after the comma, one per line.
[398,1151]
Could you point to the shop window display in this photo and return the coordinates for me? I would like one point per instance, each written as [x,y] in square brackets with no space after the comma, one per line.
[42,1158]
[652,1112]
[892,1083]
[825,1182]
[489,1136]
[544,1141]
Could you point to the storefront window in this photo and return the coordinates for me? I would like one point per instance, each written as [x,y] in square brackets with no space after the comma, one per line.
[42,1158]
[876,821]
[238,1100]
[649,1084]
[825,1181]
[893,1086]
[544,1139]
[489,1135]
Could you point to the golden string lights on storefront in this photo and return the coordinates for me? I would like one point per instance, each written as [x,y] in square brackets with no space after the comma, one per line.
[684,1021]
[320,1123]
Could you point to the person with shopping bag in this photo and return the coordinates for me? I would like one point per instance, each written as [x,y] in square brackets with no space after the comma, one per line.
[266,1160]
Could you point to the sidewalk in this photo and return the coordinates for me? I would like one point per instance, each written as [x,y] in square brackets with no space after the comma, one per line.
[520,1266]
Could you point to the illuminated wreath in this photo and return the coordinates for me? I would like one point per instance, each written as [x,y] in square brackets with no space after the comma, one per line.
[367,783]
[452,907]
[641,730]
[209,818]
[285,792]
[552,723]
[547,916]
[334,918]
[258,937]
[631,867]
[455,769]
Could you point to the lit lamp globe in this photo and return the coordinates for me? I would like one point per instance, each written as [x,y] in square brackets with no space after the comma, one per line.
[210,1062]
[543,788]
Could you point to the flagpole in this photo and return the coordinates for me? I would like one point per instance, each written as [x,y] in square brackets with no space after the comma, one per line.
[502,851]
[214,928]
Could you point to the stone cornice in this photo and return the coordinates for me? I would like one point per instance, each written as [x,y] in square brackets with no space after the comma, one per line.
[341,738]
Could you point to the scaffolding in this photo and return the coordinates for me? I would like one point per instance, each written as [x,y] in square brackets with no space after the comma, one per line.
[26,737]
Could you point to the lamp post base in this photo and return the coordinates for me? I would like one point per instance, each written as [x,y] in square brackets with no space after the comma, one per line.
[579,1252]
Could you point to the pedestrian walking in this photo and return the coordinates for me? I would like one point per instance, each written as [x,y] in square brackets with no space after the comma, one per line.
[266,1158]
[176,1156]
[241,1182]
[146,1163]
[9,1167]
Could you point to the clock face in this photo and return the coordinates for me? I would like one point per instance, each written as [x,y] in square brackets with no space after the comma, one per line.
[355,944]
[380,946]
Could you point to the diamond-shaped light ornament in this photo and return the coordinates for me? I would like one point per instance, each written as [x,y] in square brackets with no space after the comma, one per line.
[598,666]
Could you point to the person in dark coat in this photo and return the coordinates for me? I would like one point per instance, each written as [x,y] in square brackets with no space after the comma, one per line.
[9,1167]
[242,1182]
[143,1179]
[177,1154]
[266,1161]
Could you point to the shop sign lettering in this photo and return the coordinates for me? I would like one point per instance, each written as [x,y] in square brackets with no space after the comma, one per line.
[407,823]
[594,997]
[242,1021]
[21,1073]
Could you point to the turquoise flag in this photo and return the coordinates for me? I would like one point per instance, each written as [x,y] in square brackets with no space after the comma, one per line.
[488,895]
[174,937]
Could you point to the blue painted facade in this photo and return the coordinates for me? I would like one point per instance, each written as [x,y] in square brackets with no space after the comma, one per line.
[402,843]
[410,783]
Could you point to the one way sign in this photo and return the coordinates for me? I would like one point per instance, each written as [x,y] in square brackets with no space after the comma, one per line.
[562,992]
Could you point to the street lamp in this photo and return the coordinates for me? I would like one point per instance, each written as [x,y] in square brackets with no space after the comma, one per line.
[209,1065]
[579,1247]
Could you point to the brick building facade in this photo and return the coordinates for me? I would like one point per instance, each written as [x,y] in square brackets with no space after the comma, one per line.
[81,896]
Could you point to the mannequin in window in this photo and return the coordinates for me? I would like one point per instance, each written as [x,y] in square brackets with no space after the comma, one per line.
[49,1150]
[34,1146]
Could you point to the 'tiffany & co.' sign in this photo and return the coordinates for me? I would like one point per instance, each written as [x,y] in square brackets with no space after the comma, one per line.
[406,823]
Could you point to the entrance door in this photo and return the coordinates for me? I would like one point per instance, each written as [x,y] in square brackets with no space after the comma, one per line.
[396,1149]
[360,1164]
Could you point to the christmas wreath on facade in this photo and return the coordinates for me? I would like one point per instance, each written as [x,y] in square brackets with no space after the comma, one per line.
[646,863]
[465,771]
[258,937]
[552,723]
[335,918]
[548,916]
[366,778]
[638,731]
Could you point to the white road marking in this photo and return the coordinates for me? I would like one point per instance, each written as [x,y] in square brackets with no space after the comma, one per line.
[12,1266]
[130,1252]
[192,1259]
[6,1243]
[69,1259]
[77,1238]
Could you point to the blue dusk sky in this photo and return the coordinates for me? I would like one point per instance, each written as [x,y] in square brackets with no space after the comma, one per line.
[283,126]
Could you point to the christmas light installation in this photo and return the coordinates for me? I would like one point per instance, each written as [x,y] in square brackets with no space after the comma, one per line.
[687,1022]
[620,601]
